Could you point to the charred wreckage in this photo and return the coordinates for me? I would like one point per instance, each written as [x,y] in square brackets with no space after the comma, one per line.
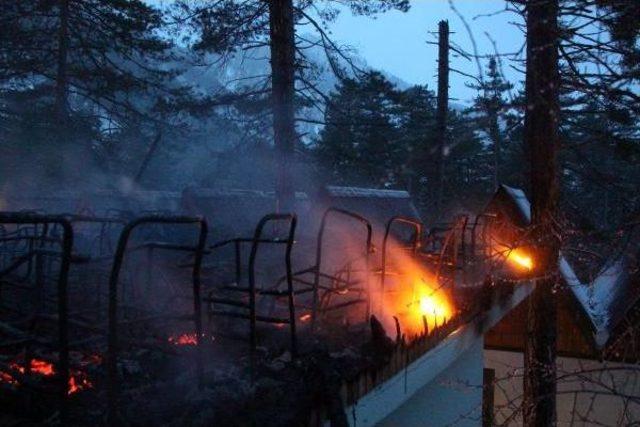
[160,318]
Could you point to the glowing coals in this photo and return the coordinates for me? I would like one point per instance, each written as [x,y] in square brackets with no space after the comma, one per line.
[77,381]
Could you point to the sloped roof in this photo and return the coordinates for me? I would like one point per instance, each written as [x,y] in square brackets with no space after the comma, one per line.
[335,191]
[243,193]
[605,300]
[520,199]
[376,205]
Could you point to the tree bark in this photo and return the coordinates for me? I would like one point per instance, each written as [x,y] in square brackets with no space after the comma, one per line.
[61,73]
[442,110]
[541,137]
[282,97]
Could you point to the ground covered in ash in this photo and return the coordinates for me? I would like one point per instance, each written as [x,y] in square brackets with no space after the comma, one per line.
[279,390]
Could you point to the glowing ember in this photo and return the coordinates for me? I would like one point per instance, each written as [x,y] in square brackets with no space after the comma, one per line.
[305,317]
[36,366]
[79,384]
[184,339]
[77,381]
[42,367]
[6,378]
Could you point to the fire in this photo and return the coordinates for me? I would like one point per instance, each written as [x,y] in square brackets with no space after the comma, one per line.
[80,384]
[184,339]
[521,259]
[428,302]
[305,317]
[517,257]
[413,296]
[7,378]
[430,306]
[36,366]
[77,381]
[41,367]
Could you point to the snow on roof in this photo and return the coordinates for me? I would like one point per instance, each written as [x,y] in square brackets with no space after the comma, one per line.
[606,298]
[375,205]
[240,193]
[335,191]
[520,199]
[598,297]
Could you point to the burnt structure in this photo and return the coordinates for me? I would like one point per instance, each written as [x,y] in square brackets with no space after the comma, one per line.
[598,318]
[152,308]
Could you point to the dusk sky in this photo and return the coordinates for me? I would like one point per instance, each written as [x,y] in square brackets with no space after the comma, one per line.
[397,42]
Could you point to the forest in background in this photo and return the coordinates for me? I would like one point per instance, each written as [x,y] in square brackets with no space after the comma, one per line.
[92,91]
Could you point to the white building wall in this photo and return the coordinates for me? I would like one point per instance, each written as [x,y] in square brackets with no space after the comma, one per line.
[443,386]
[453,398]
[589,392]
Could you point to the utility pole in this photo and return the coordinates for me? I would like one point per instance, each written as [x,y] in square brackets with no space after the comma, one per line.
[282,46]
[542,138]
[441,112]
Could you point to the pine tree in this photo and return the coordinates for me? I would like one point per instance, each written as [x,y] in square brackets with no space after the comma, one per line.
[82,68]
[418,105]
[491,105]
[226,26]
[361,143]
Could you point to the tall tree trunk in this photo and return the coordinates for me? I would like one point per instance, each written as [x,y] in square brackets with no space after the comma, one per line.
[442,110]
[61,101]
[541,137]
[282,97]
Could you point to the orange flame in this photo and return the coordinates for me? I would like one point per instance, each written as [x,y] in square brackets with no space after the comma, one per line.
[521,260]
[518,257]
[413,295]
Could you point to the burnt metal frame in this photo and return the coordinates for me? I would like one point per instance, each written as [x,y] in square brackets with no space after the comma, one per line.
[30,236]
[459,224]
[63,275]
[251,290]
[474,233]
[416,224]
[104,223]
[317,269]
[112,339]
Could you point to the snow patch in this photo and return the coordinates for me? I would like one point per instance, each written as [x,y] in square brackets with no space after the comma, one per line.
[520,199]
[598,297]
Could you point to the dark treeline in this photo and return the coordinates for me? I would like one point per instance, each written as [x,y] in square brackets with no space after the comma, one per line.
[86,87]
